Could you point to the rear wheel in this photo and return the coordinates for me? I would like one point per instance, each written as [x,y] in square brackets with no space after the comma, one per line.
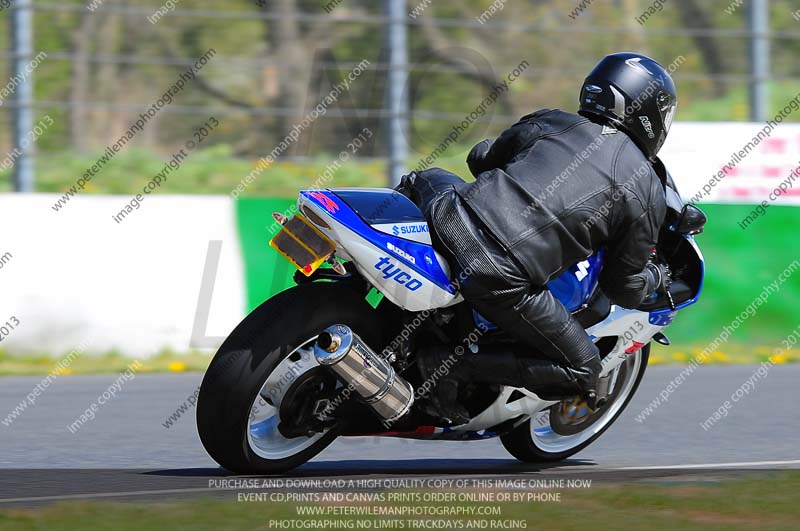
[568,427]
[254,410]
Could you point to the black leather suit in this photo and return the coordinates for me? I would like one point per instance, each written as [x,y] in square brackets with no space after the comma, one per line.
[550,191]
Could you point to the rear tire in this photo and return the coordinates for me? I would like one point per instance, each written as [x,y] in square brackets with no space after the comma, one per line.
[522,444]
[250,354]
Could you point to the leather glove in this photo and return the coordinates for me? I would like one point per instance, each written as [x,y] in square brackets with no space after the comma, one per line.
[476,159]
[661,277]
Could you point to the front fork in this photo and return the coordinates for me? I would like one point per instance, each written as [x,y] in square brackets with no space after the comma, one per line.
[633,330]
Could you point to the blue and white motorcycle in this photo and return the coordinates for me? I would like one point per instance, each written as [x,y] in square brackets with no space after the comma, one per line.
[335,355]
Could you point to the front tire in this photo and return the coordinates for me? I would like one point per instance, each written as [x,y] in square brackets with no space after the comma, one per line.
[544,438]
[272,344]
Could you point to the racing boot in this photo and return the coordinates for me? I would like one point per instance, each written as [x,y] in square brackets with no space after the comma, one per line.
[502,367]
[548,380]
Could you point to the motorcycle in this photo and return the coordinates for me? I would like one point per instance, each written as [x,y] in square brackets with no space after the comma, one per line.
[335,355]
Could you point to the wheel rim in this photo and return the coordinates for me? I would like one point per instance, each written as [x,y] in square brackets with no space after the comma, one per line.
[547,440]
[263,436]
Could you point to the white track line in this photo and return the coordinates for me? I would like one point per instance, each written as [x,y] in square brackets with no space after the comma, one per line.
[108,494]
[711,465]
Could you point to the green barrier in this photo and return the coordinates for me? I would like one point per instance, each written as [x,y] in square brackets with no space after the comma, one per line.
[265,271]
[739,263]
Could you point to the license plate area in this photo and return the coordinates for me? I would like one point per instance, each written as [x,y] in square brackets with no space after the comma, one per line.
[302,244]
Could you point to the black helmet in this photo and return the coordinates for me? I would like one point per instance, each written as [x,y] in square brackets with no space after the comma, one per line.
[635,94]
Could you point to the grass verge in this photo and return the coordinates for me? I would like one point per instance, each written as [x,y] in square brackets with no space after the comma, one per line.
[731,354]
[165,362]
[106,363]
[742,503]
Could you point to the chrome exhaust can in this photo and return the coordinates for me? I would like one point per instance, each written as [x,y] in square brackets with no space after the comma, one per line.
[368,374]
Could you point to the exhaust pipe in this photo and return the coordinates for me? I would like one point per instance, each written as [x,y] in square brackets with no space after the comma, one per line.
[368,374]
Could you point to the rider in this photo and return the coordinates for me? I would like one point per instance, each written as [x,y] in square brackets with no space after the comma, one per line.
[550,191]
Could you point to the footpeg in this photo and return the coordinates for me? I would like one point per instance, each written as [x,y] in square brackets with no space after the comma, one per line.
[595,402]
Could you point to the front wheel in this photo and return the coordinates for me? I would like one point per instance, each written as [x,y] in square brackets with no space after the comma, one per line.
[256,401]
[569,426]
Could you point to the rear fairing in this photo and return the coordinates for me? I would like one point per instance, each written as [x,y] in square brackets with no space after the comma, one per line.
[405,268]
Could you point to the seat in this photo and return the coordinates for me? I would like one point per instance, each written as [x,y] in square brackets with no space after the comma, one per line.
[379,206]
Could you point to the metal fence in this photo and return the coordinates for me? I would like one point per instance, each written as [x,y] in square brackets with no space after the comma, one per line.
[421,55]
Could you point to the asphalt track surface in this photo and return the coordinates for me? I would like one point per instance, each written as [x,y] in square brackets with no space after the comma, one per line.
[127,452]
